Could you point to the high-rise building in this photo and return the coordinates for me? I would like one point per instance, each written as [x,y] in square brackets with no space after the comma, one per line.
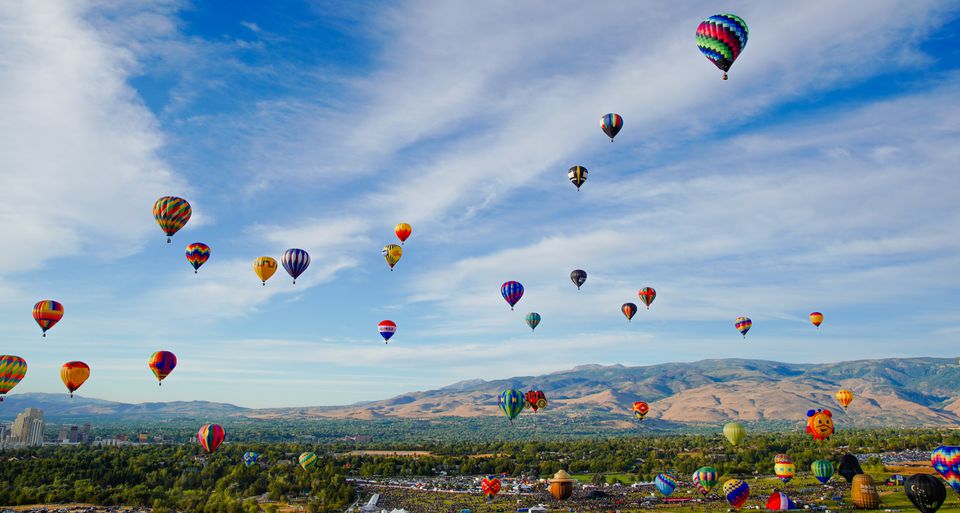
[28,427]
[74,434]
[85,434]
[64,433]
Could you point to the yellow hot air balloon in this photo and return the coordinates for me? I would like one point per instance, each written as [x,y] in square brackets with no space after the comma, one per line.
[73,374]
[734,432]
[844,397]
[392,254]
[264,267]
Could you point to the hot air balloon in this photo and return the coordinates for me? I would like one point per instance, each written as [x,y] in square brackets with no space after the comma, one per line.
[490,486]
[665,483]
[704,479]
[640,410]
[387,328]
[307,460]
[511,403]
[946,461]
[73,374]
[737,492]
[816,318]
[47,313]
[578,277]
[12,370]
[577,175]
[863,492]
[403,230]
[844,397]
[647,295]
[822,470]
[849,467]
[629,310]
[926,492]
[536,400]
[250,458]
[779,501]
[171,214]
[784,468]
[392,253]
[162,364]
[533,320]
[820,424]
[295,261]
[611,124]
[197,254]
[561,485]
[210,437]
[721,38]
[743,325]
[511,291]
[265,267]
[734,432]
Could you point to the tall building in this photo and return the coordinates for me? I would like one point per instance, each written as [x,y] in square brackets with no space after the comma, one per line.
[28,427]
[85,434]
[64,433]
[74,434]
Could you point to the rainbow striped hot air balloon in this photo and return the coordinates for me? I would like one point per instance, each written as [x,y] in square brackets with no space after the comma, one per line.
[743,325]
[295,261]
[946,461]
[665,483]
[197,254]
[162,364]
[73,374]
[47,313]
[705,478]
[511,403]
[737,492]
[629,310]
[171,213]
[308,460]
[721,38]
[611,124]
[210,437]
[511,291]
[12,370]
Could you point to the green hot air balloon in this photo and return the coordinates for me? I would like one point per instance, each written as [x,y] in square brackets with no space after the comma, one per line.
[308,460]
[533,320]
[511,403]
[734,432]
[822,470]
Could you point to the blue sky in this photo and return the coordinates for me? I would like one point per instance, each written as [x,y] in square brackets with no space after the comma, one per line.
[821,176]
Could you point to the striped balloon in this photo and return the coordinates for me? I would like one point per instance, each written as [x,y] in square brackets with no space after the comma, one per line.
[47,313]
[210,437]
[533,320]
[295,261]
[737,492]
[12,370]
[577,175]
[308,460]
[511,403]
[611,125]
[386,328]
[822,470]
[162,364]
[705,478]
[250,457]
[785,470]
[743,325]
[197,254]
[511,291]
[779,501]
[946,461]
[721,38]
[816,318]
[402,231]
[629,310]
[665,483]
[74,374]
[647,295]
[171,214]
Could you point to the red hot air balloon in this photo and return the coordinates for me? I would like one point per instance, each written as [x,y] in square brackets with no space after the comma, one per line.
[387,328]
[647,295]
[490,486]
[210,437]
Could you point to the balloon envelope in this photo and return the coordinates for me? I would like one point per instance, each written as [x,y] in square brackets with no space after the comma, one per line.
[171,213]
[736,491]
[47,313]
[249,458]
[926,492]
[392,253]
[816,318]
[735,432]
[577,175]
[863,492]
[704,479]
[295,261]
[12,370]
[533,320]
[490,486]
[197,254]
[511,291]
[849,467]
[743,325]
[647,295]
[629,310]
[511,403]
[402,230]
[162,364]
[578,277]
[822,470]
[264,267]
[820,424]
[73,374]
[844,397]
[779,501]
[611,124]
[307,460]
[946,461]
[210,437]
[640,409]
[665,483]
[386,328]
[721,38]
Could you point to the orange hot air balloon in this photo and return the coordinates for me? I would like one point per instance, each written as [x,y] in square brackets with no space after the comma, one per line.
[74,374]
[403,230]
[816,318]
[844,397]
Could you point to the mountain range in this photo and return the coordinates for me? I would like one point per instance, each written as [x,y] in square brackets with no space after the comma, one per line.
[900,391]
